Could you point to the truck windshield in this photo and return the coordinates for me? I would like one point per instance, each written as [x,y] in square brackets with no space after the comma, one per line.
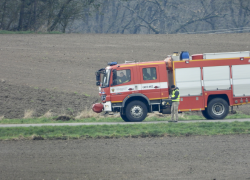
[105,78]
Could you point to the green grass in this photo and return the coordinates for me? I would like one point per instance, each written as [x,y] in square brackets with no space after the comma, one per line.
[112,119]
[237,116]
[125,131]
[86,120]
[27,32]
[51,120]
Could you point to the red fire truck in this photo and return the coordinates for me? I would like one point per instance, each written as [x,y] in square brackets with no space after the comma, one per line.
[209,82]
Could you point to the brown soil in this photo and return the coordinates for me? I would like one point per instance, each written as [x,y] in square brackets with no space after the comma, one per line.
[31,66]
[16,99]
[56,72]
[204,157]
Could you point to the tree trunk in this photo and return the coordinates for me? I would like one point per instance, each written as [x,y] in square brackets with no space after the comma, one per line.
[34,12]
[21,16]
[50,11]
[58,17]
[2,23]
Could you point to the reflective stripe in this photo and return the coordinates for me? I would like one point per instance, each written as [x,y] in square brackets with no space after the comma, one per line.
[173,95]
[120,81]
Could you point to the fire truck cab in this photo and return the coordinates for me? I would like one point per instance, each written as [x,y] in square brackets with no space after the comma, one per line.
[209,82]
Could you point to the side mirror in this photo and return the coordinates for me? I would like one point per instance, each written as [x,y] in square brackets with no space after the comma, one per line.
[97,75]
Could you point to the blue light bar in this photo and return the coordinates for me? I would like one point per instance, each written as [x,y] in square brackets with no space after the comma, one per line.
[112,63]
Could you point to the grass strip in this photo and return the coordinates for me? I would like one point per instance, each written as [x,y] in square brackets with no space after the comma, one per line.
[111,119]
[125,131]
[52,120]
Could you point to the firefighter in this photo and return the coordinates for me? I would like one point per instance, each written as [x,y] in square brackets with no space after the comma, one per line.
[175,103]
[153,74]
[122,78]
[146,76]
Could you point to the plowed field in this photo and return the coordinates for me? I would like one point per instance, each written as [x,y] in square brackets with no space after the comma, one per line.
[56,72]
[43,72]
[194,158]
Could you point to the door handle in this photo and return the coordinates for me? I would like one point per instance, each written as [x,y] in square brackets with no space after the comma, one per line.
[156,87]
[130,89]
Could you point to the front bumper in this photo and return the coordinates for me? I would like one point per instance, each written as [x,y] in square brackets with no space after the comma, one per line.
[107,106]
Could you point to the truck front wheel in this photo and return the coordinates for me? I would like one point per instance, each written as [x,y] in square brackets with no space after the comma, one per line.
[218,108]
[205,114]
[136,111]
[124,117]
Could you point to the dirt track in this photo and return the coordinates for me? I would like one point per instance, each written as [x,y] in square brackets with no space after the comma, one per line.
[205,157]
[64,65]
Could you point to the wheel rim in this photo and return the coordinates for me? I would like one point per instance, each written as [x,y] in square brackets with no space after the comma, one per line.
[218,109]
[136,111]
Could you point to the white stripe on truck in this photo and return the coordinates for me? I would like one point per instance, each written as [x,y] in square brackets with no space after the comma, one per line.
[138,87]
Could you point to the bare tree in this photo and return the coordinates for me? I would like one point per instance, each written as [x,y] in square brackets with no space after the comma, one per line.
[3,14]
[32,14]
[124,16]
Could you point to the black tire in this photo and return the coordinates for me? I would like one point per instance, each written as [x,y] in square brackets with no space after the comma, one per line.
[218,108]
[124,117]
[205,114]
[136,111]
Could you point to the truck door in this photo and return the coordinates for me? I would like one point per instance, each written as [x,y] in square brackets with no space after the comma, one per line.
[123,84]
[150,82]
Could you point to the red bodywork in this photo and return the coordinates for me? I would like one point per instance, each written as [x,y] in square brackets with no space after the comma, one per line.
[188,102]
[159,88]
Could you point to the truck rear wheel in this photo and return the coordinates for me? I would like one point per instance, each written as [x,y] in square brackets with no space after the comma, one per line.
[218,108]
[136,111]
